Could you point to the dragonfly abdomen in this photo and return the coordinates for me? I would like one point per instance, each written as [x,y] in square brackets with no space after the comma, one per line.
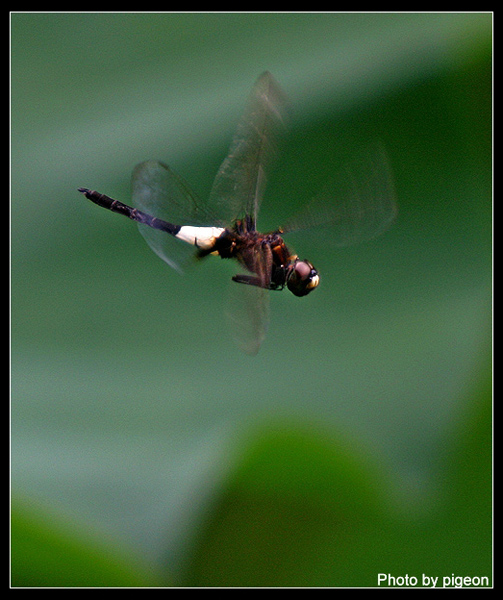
[129,211]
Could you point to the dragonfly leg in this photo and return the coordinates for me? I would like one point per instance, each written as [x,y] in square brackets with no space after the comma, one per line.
[250,280]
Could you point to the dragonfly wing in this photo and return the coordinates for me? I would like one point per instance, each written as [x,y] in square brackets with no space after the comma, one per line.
[263,264]
[248,316]
[239,185]
[248,306]
[160,192]
[357,205]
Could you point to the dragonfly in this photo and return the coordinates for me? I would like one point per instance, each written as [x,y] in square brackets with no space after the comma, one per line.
[172,218]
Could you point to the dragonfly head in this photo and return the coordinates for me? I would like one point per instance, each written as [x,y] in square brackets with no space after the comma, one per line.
[303,278]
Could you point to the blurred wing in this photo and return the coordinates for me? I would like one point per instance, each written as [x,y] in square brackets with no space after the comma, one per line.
[263,264]
[160,192]
[358,205]
[248,306]
[240,181]
[248,316]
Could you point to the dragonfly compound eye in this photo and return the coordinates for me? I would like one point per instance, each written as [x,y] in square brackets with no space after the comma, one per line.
[303,279]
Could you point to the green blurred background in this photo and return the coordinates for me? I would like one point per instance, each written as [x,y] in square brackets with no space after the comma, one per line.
[145,449]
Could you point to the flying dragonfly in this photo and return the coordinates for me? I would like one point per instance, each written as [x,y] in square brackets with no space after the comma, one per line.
[171,217]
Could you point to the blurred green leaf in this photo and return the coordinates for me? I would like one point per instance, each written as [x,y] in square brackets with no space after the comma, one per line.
[47,551]
[303,508]
[297,505]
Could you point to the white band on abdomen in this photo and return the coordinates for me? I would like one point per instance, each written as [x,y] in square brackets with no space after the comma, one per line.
[202,237]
